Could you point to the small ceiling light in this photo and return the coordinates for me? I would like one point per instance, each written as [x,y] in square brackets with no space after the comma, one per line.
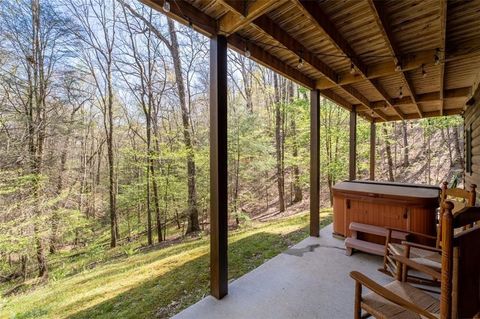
[424,72]
[190,23]
[247,53]
[398,66]
[436,57]
[166,6]
[401,93]
[300,63]
[352,68]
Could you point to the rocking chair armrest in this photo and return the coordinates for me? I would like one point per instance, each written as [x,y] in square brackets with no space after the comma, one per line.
[421,268]
[424,247]
[389,295]
[412,233]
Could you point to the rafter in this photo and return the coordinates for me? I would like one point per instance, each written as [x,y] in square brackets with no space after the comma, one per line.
[415,116]
[389,101]
[382,23]
[268,26]
[313,10]
[261,56]
[364,101]
[443,36]
[243,12]
[457,93]
[181,11]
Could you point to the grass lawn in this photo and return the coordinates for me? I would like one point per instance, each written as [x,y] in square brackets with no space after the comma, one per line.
[126,282]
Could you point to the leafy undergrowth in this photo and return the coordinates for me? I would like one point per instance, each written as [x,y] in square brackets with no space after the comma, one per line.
[128,282]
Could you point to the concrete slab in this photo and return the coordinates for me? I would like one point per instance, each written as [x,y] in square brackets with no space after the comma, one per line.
[309,280]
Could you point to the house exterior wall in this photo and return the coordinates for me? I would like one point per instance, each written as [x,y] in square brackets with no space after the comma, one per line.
[472,128]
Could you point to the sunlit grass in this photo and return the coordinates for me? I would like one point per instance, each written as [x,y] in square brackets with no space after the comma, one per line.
[149,283]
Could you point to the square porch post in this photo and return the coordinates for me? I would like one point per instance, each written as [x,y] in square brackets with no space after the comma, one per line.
[353,145]
[372,149]
[314,163]
[218,168]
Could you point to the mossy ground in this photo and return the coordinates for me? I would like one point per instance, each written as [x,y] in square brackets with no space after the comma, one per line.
[128,282]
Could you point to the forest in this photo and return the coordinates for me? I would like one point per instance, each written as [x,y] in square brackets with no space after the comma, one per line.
[104,137]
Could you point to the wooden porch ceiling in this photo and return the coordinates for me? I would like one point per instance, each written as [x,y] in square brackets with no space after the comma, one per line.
[410,58]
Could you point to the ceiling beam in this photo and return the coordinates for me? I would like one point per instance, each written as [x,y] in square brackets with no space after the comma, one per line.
[443,36]
[268,26]
[415,116]
[186,13]
[313,10]
[389,101]
[243,12]
[382,22]
[364,101]
[410,61]
[463,92]
[263,57]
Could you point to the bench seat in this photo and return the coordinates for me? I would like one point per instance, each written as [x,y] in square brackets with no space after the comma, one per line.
[354,243]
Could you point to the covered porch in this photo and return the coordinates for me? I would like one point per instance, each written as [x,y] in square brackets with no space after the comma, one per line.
[382,61]
[309,280]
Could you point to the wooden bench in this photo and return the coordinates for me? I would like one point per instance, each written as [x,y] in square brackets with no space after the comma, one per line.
[353,242]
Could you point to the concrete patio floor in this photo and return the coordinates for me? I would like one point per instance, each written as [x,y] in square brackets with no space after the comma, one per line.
[309,280]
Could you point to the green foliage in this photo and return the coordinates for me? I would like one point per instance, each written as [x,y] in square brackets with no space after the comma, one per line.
[134,282]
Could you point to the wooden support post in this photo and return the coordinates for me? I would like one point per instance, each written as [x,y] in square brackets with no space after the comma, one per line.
[373,139]
[315,163]
[218,167]
[353,145]
[447,260]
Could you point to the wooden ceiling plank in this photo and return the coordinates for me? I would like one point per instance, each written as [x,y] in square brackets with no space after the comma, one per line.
[242,13]
[382,23]
[186,13]
[268,26]
[272,29]
[313,10]
[464,92]
[443,36]
[263,57]
[363,100]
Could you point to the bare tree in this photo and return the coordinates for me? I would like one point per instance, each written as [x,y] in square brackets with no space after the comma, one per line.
[97,24]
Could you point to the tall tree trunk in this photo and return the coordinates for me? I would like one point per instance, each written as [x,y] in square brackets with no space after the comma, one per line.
[156,202]
[406,161]
[147,175]
[388,150]
[297,189]
[114,233]
[456,140]
[193,224]
[36,129]
[446,141]
[278,144]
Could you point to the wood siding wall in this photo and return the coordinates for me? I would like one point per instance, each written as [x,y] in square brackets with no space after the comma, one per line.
[472,123]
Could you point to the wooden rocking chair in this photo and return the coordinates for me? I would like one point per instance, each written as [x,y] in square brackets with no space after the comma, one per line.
[460,274]
[429,256]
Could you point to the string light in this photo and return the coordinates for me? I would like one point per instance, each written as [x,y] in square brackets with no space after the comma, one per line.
[190,23]
[166,6]
[424,73]
[247,51]
[398,66]
[436,57]
[300,63]
[352,68]
[401,93]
